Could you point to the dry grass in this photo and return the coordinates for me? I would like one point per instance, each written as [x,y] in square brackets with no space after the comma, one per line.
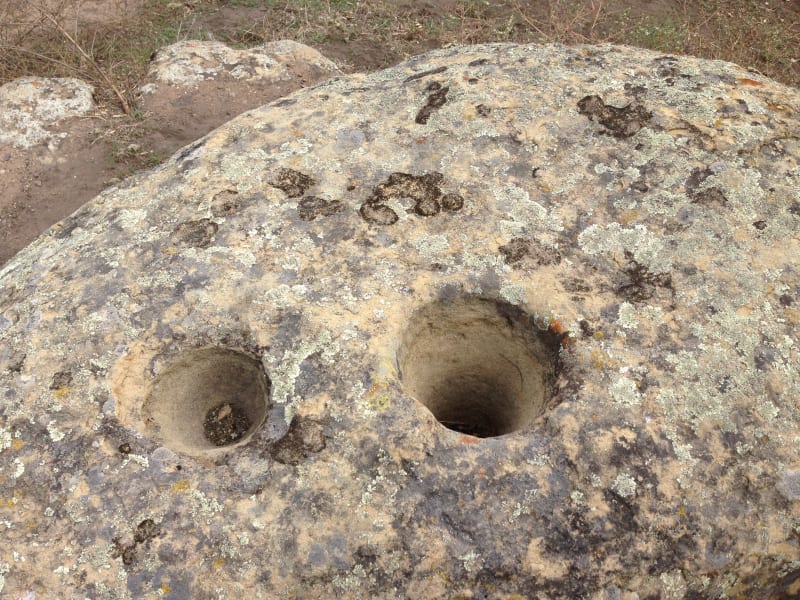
[57,37]
[51,38]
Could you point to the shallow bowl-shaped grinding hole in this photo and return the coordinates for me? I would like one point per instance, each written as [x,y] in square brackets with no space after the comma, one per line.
[209,398]
[480,366]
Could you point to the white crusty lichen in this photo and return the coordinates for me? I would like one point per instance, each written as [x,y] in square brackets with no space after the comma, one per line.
[624,391]
[54,432]
[285,371]
[513,293]
[624,485]
[627,316]
[647,249]
[4,569]
[519,206]
[5,438]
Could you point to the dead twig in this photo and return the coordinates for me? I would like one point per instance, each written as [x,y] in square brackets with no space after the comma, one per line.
[126,108]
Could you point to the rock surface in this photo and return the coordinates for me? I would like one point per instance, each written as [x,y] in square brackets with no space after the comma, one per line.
[500,322]
[32,108]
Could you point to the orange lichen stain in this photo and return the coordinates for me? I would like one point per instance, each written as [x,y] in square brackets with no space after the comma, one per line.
[184,485]
[628,216]
[468,439]
[746,81]
[297,133]
[556,326]
[218,564]
[165,588]
[598,359]
[378,396]
[63,392]
[17,444]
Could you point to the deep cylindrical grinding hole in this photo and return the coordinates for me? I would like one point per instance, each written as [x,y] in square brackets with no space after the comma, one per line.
[480,366]
[209,398]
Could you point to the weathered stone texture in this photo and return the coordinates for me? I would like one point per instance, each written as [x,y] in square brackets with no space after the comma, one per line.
[32,108]
[631,218]
[191,62]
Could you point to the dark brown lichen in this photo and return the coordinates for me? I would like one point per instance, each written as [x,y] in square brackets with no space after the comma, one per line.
[292,183]
[619,122]
[518,248]
[641,284]
[436,100]
[416,76]
[378,214]
[706,196]
[60,380]
[311,207]
[225,203]
[515,250]
[424,190]
[197,234]
[125,548]
[304,438]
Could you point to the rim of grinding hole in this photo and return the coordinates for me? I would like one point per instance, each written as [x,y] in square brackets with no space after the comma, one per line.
[209,400]
[480,366]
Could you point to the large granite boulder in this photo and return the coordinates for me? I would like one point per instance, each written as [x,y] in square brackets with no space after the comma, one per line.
[500,322]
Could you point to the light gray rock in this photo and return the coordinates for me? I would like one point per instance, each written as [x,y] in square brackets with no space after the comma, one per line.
[500,322]
[31,109]
[185,64]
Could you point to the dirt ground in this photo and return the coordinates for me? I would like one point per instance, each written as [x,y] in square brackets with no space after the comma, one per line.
[40,187]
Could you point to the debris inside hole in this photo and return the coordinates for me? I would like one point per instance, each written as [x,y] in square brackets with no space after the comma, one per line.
[225,424]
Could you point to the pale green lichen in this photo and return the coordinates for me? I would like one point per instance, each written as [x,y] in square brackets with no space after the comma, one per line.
[5,438]
[285,371]
[624,391]
[624,485]
[245,170]
[627,316]
[4,570]
[523,211]
[433,247]
[514,293]
[647,249]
